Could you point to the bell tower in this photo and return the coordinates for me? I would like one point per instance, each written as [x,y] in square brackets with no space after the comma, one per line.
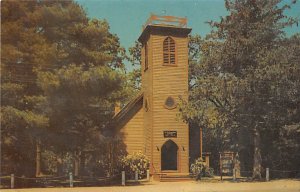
[164,60]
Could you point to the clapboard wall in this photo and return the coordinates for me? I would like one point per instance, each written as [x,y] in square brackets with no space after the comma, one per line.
[133,132]
[160,81]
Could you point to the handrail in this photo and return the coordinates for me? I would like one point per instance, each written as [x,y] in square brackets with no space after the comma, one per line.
[153,168]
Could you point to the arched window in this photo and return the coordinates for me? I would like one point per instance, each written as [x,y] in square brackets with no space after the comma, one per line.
[169,51]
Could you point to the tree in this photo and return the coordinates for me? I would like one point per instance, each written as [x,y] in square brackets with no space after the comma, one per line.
[135,76]
[284,117]
[39,38]
[19,130]
[239,77]
[80,103]
[22,47]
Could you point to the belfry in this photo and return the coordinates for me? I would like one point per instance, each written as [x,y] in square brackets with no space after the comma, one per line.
[150,123]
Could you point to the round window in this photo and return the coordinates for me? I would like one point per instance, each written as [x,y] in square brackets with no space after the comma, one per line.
[170,103]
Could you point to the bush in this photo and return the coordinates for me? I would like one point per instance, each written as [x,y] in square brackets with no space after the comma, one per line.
[198,166]
[135,162]
[200,169]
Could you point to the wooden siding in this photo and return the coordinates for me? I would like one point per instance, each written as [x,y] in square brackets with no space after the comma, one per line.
[144,132]
[147,90]
[133,133]
[169,81]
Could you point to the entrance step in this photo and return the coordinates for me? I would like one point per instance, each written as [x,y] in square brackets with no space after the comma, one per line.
[175,177]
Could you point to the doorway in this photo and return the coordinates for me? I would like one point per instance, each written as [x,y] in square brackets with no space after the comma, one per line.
[169,155]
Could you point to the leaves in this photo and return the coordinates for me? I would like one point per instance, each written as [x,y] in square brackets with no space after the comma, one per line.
[62,65]
[246,78]
[135,162]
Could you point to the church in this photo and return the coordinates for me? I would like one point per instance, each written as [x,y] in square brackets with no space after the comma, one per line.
[150,123]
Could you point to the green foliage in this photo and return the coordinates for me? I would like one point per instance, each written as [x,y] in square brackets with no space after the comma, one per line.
[287,144]
[135,53]
[58,63]
[49,162]
[199,167]
[14,121]
[135,59]
[135,162]
[89,92]
[19,129]
[245,84]
[194,47]
[11,93]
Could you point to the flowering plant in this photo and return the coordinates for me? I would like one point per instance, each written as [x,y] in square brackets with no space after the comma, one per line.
[135,162]
[198,166]
[200,169]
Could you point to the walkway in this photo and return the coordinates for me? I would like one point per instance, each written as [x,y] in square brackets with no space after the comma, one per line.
[188,186]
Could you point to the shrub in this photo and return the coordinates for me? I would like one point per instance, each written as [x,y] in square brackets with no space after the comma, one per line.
[135,162]
[199,167]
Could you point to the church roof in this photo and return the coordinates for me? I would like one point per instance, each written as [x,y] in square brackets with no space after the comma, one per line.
[166,25]
[165,29]
[128,107]
[127,112]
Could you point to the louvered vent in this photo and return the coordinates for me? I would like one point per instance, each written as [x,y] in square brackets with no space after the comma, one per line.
[169,51]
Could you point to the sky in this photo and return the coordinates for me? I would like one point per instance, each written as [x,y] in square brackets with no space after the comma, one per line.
[126,17]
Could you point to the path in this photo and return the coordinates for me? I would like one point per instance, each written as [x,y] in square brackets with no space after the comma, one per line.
[189,186]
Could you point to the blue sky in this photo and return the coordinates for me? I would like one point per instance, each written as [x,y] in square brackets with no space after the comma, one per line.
[126,17]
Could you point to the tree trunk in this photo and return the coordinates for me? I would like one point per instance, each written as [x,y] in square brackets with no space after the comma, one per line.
[38,158]
[82,164]
[110,158]
[76,165]
[59,165]
[237,165]
[257,168]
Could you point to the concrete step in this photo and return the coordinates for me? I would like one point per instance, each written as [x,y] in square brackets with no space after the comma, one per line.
[175,178]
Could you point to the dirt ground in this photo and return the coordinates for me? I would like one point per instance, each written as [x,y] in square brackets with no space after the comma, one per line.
[187,186]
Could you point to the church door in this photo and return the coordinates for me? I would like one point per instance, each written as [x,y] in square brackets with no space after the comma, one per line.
[169,156]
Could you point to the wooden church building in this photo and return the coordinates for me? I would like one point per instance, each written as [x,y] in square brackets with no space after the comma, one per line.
[150,123]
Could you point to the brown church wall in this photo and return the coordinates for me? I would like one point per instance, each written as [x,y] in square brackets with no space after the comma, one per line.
[169,81]
[133,132]
[159,82]
[147,90]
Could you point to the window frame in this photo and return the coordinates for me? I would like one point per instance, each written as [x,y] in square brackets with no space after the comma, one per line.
[169,52]
[170,107]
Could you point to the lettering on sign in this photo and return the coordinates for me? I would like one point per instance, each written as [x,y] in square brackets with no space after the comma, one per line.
[168,134]
[226,162]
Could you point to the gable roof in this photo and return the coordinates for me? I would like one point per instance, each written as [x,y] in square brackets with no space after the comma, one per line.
[126,113]
[128,107]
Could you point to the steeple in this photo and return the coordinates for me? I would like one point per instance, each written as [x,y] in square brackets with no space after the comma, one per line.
[164,60]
